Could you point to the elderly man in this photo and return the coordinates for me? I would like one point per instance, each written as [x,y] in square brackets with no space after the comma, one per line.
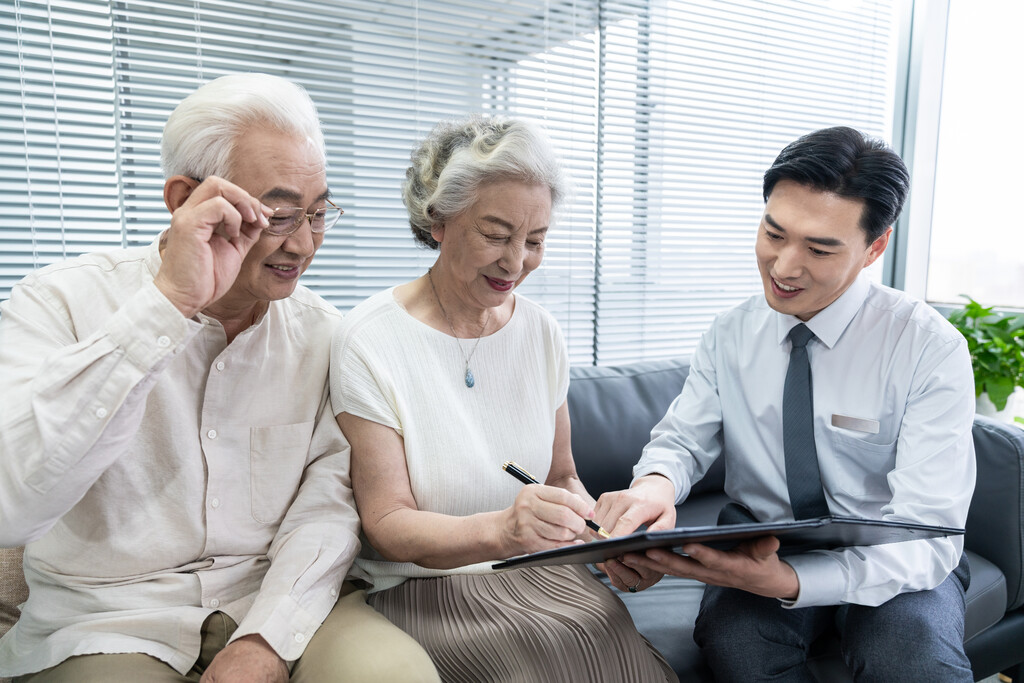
[167,445]
[885,434]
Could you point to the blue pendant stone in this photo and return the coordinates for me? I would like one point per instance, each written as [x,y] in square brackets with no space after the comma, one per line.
[470,381]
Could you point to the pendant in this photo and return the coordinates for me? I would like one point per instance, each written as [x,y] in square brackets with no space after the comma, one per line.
[470,381]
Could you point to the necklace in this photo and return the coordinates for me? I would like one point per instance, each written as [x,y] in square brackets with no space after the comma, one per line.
[470,379]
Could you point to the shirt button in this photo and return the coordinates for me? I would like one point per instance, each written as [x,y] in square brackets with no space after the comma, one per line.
[220,365]
[334,592]
[101,413]
[215,603]
[163,342]
[212,433]
[300,638]
[215,503]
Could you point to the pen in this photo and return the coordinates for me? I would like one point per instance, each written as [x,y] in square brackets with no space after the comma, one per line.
[527,478]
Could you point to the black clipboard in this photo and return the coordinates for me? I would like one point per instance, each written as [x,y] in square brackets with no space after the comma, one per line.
[822,533]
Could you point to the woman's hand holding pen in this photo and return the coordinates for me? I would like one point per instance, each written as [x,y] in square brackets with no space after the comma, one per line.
[544,517]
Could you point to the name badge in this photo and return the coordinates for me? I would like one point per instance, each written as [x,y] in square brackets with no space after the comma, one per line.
[857,424]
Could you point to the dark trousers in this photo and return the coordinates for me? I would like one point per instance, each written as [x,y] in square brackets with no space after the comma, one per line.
[914,636]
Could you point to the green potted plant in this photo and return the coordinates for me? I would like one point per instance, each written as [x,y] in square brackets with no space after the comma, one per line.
[996,343]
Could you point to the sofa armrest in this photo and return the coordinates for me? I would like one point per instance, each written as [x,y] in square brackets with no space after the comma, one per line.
[13,591]
[995,522]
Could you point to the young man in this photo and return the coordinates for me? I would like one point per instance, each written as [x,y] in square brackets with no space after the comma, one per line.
[167,446]
[828,394]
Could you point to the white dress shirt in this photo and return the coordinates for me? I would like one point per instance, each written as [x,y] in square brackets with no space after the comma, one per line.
[161,474]
[889,362]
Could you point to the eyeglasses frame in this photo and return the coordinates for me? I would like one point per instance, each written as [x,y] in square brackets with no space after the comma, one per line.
[298,223]
[308,217]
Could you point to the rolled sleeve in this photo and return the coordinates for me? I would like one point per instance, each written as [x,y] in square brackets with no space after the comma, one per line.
[288,621]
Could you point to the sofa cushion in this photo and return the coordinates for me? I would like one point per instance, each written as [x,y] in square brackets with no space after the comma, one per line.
[986,596]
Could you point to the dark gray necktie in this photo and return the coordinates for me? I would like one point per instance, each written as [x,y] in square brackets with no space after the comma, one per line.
[802,475]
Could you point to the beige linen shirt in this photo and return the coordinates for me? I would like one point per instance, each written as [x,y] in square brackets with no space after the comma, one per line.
[161,474]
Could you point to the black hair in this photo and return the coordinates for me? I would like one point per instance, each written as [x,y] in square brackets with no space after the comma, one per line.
[848,163]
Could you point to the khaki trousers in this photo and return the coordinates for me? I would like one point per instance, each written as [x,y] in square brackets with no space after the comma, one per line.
[355,644]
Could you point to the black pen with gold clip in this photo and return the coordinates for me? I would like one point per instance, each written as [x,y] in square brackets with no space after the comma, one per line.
[527,478]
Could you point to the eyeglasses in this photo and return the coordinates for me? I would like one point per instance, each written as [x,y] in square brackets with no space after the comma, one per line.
[287,219]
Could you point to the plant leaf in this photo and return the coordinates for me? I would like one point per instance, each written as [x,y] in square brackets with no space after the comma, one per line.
[996,344]
[999,390]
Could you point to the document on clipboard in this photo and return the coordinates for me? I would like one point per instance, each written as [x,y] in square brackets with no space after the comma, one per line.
[821,533]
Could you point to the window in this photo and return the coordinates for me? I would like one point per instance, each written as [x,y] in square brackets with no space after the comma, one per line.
[977,240]
[697,100]
[666,113]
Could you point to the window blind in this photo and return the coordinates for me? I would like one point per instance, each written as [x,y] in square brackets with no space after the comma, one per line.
[665,114]
[58,157]
[697,99]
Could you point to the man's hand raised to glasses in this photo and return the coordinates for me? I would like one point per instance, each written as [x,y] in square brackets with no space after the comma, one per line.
[213,226]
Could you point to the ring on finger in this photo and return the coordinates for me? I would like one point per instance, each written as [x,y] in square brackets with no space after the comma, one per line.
[633,588]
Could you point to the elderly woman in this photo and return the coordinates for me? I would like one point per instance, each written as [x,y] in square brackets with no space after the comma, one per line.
[439,381]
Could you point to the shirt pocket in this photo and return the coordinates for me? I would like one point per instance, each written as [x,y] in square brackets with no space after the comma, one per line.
[862,467]
[277,458]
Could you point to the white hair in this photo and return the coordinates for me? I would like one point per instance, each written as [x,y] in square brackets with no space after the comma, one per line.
[458,156]
[200,134]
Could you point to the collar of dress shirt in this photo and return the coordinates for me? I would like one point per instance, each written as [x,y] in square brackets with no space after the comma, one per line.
[829,324]
[153,256]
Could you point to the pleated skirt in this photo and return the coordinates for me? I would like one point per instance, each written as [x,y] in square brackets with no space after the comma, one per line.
[535,625]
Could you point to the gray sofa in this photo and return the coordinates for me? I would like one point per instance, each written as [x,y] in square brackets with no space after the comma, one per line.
[613,409]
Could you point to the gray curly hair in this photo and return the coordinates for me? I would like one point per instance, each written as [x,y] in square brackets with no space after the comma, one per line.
[461,155]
